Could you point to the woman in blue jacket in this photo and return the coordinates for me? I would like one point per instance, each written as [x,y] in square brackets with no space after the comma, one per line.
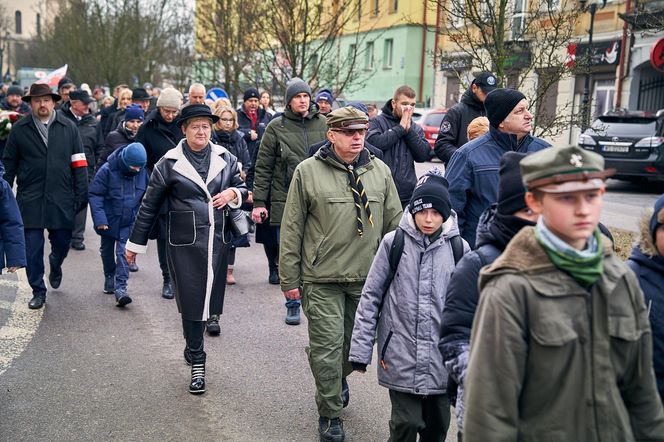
[115,195]
[647,261]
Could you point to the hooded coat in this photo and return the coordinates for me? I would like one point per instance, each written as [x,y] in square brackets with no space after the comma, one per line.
[405,318]
[648,265]
[553,361]
[284,145]
[12,238]
[453,129]
[400,149]
[158,136]
[473,175]
[115,197]
[116,139]
[197,233]
[52,182]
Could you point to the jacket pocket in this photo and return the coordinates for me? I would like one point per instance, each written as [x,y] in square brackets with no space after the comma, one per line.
[553,332]
[383,351]
[181,228]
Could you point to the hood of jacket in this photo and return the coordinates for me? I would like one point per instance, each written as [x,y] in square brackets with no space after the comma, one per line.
[407,224]
[313,113]
[470,99]
[645,252]
[388,111]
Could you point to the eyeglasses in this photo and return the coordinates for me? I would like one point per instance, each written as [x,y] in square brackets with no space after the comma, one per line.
[351,132]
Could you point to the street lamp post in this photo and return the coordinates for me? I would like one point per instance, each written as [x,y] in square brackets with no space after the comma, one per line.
[592,8]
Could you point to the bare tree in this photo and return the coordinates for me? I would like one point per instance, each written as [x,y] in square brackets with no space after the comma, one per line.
[518,40]
[302,38]
[111,42]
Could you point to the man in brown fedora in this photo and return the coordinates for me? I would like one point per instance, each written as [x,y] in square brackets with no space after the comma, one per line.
[45,154]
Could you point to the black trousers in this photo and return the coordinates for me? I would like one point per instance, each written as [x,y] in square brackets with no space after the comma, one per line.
[60,240]
[413,414]
[193,332]
[162,251]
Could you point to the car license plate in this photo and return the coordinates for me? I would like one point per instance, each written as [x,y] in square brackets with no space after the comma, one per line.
[615,149]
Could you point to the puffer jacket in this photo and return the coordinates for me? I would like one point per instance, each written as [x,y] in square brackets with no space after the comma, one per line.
[408,314]
[12,238]
[454,127]
[473,175]
[648,265]
[319,240]
[284,145]
[553,361]
[115,197]
[400,149]
[116,139]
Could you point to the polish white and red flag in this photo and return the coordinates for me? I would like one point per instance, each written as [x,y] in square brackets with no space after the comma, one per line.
[78,160]
[53,77]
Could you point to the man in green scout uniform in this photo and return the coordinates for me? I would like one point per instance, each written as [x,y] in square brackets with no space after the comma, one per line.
[340,204]
[561,343]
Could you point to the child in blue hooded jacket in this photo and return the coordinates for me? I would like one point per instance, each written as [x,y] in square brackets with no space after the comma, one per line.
[647,261]
[115,195]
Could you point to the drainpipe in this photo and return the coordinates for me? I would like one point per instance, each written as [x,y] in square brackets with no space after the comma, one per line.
[621,64]
[424,50]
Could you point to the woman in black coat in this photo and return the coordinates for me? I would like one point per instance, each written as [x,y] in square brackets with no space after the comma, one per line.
[227,135]
[199,181]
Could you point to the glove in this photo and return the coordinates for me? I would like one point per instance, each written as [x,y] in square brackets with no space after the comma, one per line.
[358,366]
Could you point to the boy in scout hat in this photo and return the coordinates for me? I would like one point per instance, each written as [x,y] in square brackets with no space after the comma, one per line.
[340,203]
[561,344]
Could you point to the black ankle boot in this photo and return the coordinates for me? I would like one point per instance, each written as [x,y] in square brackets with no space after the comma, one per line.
[197,385]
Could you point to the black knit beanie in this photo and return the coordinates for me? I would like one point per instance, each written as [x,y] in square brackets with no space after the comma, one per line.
[431,193]
[252,92]
[499,103]
[511,192]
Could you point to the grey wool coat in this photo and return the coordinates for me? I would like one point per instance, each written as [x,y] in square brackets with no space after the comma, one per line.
[408,314]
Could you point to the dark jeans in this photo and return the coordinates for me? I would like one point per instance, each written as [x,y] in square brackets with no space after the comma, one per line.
[114,261]
[77,235]
[412,414]
[60,240]
[162,251]
[231,257]
[193,335]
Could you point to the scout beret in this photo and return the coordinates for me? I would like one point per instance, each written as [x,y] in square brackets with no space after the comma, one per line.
[347,118]
[564,169]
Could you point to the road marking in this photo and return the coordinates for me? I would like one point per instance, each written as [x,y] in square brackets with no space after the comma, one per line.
[21,324]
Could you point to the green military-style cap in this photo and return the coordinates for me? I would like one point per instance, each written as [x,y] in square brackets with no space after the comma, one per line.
[564,169]
[347,118]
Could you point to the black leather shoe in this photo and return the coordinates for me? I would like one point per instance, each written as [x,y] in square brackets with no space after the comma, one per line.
[167,291]
[55,276]
[345,392]
[274,277]
[197,385]
[78,246]
[331,430]
[212,325]
[37,302]
[187,355]
[133,267]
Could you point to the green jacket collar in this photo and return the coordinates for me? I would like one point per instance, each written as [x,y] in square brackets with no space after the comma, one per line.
[313,113]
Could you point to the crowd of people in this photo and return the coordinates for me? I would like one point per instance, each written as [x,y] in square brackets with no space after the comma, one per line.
[490,286]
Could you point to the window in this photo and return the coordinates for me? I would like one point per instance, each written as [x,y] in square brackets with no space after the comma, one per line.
[551,5]
[17,22]
[374,10]
[352,52]
[394,5]
[369,56]
[38,26]
[603,100]
[519,19]
[387,53]
[457,14]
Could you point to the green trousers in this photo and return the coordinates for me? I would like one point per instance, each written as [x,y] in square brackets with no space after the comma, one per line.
[412,414]
[330,310]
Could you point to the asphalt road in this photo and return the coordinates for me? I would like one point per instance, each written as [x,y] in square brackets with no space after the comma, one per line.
[82,369]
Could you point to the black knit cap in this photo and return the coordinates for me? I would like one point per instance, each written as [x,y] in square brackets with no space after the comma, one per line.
[252,92]
[499,103]
[511,191]
[431,193]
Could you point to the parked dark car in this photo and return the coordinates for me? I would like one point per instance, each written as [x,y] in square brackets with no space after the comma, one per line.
[632,142]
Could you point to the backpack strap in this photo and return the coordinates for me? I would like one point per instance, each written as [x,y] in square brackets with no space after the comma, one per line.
[396,250]
[457,248]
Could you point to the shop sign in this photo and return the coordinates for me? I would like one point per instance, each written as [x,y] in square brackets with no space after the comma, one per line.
[455,64]
[604,53]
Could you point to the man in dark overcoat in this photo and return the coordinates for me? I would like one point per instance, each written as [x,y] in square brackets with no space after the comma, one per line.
[44,153]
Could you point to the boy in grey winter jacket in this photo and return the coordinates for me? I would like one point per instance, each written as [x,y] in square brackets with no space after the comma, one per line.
[407,312]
